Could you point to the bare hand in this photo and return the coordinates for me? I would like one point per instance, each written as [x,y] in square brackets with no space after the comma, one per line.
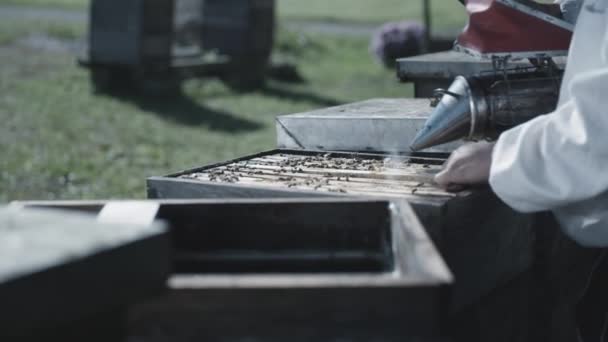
[468,165]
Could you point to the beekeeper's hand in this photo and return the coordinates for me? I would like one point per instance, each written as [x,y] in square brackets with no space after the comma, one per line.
[468,165]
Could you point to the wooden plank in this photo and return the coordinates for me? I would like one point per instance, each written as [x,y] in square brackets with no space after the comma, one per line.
[309,315]
[285,176]
[339,171]
[427,158]
[353,186]
[387,166]
[280,174]
[410,160]
[371,173]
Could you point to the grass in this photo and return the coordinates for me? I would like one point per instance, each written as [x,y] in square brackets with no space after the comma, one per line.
[450,13]
[60,140]
[48,3]
[13,29]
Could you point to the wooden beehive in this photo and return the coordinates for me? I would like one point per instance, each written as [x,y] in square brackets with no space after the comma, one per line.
[298,270]
[298,172]
[131,33]
[69,277]
[485,243]
[239,28]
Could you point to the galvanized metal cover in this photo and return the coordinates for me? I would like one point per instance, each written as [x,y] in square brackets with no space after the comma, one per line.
[376,125]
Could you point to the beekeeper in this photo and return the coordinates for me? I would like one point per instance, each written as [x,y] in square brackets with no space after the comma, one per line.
[558,161]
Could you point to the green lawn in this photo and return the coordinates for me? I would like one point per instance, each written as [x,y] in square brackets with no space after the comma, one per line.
[13,29]
[48,3]
[448,14]
[60,140]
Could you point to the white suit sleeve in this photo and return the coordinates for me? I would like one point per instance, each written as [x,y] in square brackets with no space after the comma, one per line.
[562,157]
[570,9]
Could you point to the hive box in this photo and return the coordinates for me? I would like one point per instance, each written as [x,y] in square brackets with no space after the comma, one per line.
[484,242]
[239,28]
[69,277]
[298,269]
[131,33]
[376,125]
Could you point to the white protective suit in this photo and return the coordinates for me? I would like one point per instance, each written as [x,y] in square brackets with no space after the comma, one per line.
[559,161]
[570,9]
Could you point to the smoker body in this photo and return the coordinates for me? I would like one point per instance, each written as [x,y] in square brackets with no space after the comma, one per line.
[437,70]
[500,104]
[483,106]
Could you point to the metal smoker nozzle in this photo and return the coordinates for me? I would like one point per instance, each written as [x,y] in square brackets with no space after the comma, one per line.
[450,120]
[482,107]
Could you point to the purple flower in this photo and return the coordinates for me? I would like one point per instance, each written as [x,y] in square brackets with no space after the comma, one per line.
[397,39]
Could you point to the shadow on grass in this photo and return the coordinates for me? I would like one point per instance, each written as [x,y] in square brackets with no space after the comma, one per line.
[298,96]
[180,108]
[285,72]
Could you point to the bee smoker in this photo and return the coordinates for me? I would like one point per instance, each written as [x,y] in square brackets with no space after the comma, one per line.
[483,106]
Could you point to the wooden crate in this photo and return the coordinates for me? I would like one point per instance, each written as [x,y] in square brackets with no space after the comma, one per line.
[243,31]
[131,33]
[294,269]
[67,277]
[484,242]
[239,28]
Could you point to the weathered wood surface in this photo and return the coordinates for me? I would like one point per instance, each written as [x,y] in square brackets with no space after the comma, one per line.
[338,314]
[187,26]
[61,272]
[375,125]
[236,29]
[239,28]
[131,33]
[400,303]
[484,242]
[326,173]
[337,172]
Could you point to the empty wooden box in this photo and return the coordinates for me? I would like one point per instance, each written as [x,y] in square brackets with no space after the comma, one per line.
[299,270]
